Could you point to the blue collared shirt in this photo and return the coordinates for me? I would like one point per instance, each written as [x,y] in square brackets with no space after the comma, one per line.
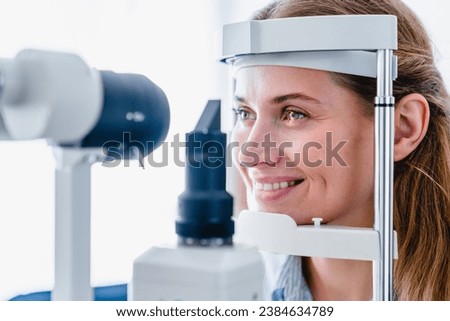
[284,278]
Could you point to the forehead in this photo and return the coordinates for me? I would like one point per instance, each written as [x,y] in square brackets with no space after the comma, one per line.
[269,81]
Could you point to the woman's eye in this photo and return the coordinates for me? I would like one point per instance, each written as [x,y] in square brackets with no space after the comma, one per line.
[244,114]
[294,114]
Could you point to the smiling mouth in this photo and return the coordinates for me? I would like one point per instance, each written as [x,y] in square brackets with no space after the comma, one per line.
[276,186]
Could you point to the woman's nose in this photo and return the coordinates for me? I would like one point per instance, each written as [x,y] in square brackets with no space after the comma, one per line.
[260,147]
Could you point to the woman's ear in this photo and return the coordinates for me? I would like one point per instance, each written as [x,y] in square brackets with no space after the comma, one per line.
[412,116]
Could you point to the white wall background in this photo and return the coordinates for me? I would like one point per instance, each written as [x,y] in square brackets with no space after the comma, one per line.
[169,41]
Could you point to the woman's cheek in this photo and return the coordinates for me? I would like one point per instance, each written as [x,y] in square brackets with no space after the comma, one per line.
[303,151]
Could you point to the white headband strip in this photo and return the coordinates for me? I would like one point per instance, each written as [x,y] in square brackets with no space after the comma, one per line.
[360,63]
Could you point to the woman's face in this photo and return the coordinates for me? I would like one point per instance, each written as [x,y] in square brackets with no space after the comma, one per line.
[305,146]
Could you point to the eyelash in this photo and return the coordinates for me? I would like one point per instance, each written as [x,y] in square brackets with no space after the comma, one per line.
[239,112]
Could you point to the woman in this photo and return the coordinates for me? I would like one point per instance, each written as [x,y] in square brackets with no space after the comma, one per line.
[313,110]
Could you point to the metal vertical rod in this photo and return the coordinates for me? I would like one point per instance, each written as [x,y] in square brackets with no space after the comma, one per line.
[73,223]
[384,176]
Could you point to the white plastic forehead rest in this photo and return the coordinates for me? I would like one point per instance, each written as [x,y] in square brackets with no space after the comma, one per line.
[316,33]
[346,44]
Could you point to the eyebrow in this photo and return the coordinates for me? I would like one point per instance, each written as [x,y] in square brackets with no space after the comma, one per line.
[283,98]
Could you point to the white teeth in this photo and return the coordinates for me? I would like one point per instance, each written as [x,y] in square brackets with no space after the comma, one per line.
[267,187]
[284,184]
[274,186]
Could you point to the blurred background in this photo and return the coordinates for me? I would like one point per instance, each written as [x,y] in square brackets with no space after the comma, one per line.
[172,43]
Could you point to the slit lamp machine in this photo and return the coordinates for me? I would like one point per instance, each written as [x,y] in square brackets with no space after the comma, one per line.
[83,113]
